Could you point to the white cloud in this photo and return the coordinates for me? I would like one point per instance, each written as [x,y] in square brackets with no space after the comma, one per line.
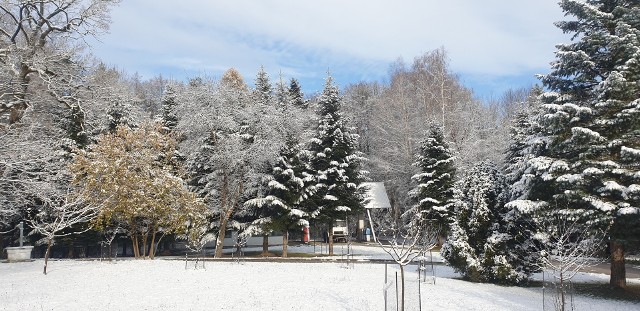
[488,37]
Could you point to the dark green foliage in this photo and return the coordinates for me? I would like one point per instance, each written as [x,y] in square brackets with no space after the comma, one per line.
[593,118]
[168,102]
[279,209]
[334,163]
[295,93]
[486,242]
[433,193]
[592,122]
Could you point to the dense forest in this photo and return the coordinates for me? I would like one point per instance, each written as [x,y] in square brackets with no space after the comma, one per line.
[91,151]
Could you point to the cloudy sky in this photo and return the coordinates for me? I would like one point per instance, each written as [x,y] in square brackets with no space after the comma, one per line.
[492,44]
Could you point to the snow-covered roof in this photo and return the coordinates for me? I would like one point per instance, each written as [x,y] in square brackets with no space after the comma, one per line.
[376,195]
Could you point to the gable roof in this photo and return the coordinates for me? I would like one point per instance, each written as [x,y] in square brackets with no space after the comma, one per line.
[376,195]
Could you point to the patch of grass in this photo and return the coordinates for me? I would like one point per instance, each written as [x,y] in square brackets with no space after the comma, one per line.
[605,291]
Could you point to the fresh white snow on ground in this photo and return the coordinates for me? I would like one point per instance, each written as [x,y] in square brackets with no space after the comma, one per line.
[359,251]
[166,285]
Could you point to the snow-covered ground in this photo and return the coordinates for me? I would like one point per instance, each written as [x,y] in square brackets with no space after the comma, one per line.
[163,284]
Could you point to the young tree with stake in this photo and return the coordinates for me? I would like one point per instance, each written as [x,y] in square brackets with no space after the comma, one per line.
[61,217]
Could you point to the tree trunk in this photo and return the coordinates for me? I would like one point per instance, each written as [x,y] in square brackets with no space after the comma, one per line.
[231,203]
[1,245]
[330,241]
[145,239]
[618,271]
[265,245]
[222,232]
[135,246]
[153,243]
[47,254]
[285,243]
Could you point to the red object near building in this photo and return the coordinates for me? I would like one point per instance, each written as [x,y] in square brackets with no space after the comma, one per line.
[305,234]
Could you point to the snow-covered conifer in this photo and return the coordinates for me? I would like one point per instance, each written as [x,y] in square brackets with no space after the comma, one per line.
[433,193]
[483,244]
[526,142]
[263,91]
[280,208]
[119,113]
[168,102]
[296,95]
[334,164]
[589,171]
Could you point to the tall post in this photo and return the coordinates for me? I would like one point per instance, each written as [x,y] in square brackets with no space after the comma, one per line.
[21,227]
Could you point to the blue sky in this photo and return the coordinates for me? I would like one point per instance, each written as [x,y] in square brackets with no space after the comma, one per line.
[493,45]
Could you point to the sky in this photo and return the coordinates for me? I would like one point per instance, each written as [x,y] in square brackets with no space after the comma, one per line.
[493,45]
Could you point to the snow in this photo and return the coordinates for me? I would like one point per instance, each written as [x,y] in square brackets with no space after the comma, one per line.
[165,284]
[599,204]
[584,132]
[628,211]
[611,186]
[376,194]
[635,153]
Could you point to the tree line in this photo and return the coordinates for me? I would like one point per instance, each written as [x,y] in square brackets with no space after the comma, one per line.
[195,158]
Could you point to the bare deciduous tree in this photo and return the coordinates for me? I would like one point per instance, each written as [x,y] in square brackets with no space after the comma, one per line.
[404,238]
[39,42]
[566,248]
[58,216]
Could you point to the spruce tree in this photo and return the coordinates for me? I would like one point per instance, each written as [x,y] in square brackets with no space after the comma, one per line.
[119,113]
[280,208]
[296,95]
[526,141]
[434,190]
[168,102]
[263,91]
[484,242]
[282,95]
[334,165]
[589,171]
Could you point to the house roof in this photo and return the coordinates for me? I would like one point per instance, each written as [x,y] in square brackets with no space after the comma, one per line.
[376,195]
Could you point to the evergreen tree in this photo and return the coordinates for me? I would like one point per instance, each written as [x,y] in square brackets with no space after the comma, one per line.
[168,102]
[484,242]
[280,208]
[282,95]
[264,91]
[119,113]
[526,142]
[334,165]
[434,190]
[296,95]
[589,171]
